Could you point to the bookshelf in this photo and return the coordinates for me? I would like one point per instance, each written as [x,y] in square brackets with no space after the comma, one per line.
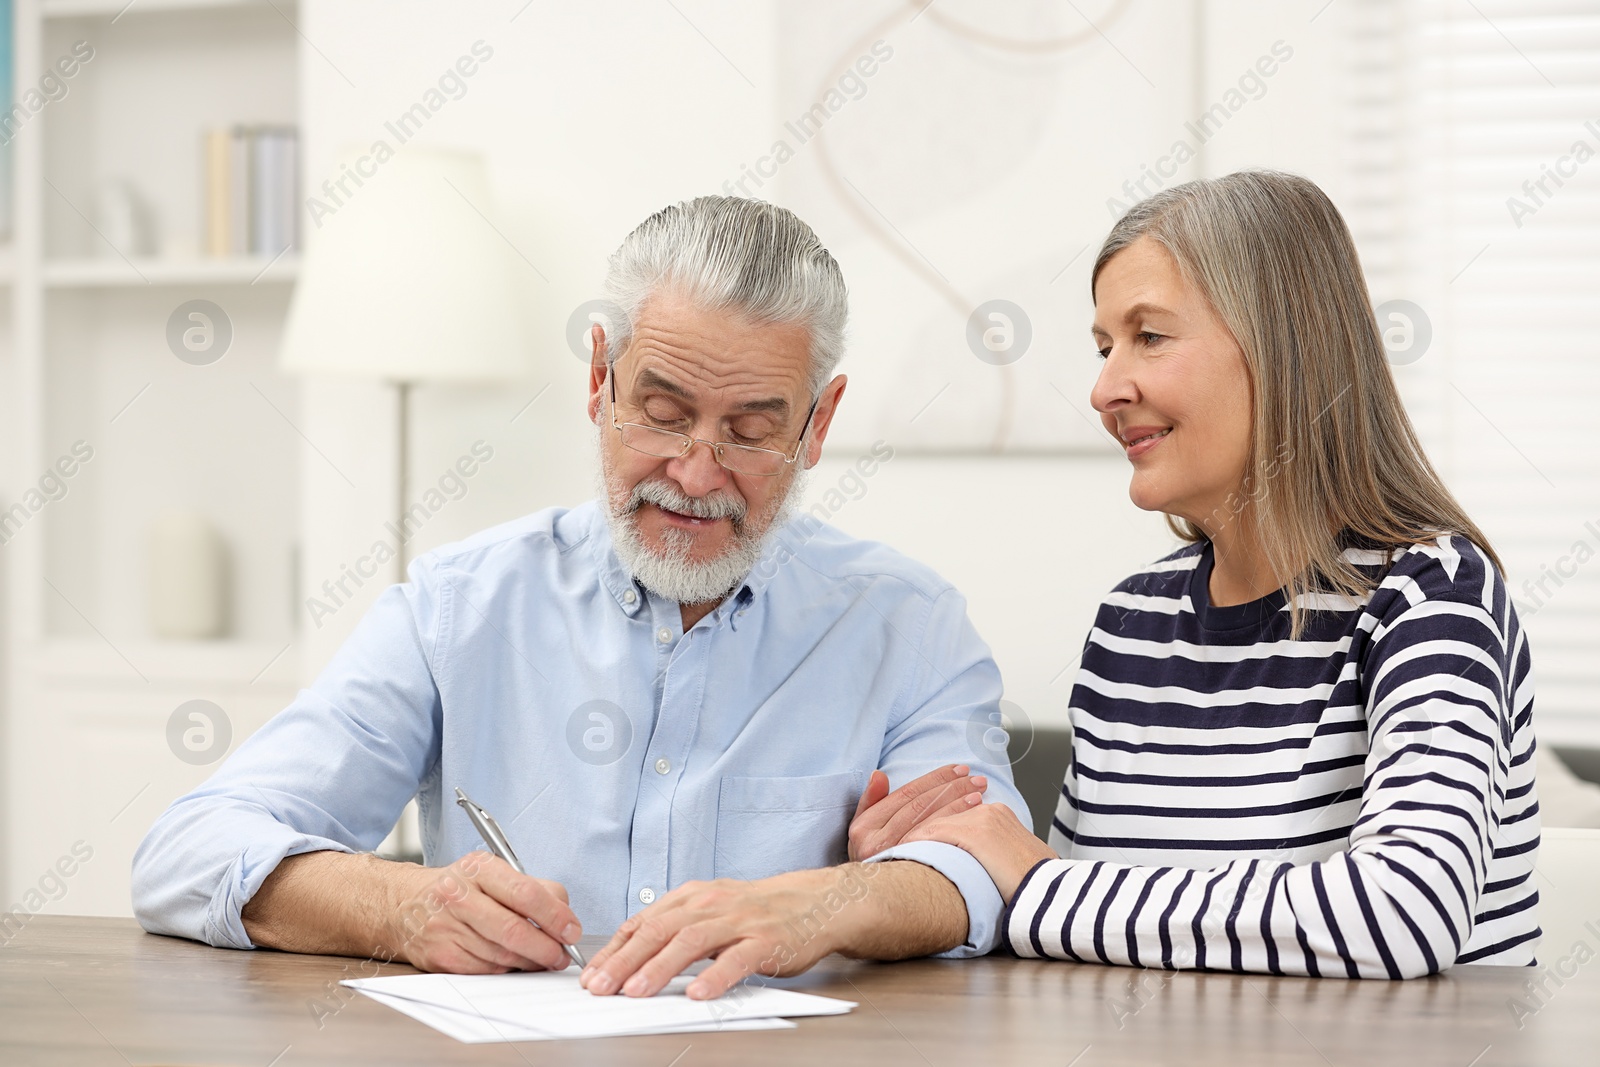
[90,688]
[112,273]
[118,8]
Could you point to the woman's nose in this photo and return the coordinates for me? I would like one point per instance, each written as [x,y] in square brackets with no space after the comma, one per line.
[1115,386]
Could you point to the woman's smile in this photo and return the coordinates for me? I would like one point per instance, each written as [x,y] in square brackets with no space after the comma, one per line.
[1138,440]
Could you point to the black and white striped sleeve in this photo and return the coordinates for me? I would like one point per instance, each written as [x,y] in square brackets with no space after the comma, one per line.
[1399,901]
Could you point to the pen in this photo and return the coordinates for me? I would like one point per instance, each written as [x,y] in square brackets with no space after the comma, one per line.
[489,830]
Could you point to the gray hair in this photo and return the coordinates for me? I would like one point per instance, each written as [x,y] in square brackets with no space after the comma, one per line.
[1333,454]
[727,253]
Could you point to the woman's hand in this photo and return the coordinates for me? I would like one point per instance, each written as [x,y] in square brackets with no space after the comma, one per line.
[883,819]
[995,837]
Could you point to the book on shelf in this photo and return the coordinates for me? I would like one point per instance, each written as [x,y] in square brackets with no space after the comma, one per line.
[7,77]
[252,190]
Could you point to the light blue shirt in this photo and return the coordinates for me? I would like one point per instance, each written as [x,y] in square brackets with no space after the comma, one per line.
[621,756]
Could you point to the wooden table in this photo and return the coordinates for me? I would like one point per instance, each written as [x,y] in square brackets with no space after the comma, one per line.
[83,991]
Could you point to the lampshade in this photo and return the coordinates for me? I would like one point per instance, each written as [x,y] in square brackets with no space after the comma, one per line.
[405,277]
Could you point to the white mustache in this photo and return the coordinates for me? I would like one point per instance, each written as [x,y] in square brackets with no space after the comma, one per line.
[662,495]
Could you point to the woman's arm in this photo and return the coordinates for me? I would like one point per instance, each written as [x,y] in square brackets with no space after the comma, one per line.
[1400,902]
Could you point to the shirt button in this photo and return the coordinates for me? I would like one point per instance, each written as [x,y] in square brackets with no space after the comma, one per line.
[629,596]
[647,895]
[663,635]
[662,766]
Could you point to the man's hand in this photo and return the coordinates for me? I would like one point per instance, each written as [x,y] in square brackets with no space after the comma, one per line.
[883,819]
[472,918]
[776,926]
[995,837]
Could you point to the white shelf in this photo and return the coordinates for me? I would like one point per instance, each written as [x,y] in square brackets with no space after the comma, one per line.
[93,662]
[59,9]
[85,323]
[109,273]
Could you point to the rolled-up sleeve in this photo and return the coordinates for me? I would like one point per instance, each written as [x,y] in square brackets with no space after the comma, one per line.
[954,717]
[330,772]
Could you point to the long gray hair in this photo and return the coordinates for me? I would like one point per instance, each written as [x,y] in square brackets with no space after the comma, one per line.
[726,253]
[1333,453]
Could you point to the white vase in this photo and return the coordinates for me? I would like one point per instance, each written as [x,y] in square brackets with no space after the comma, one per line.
[123,219]
[187,577]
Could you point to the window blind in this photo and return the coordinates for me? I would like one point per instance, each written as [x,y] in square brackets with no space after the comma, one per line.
[1474,152]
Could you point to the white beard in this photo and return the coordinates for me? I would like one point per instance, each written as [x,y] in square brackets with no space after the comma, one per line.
[672,574]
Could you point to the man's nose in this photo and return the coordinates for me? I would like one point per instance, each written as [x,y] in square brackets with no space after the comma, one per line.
[698,471]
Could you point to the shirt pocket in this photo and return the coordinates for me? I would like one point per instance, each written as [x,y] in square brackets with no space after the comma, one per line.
[768,826]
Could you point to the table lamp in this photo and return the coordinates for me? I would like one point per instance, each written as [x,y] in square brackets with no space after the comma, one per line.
[406,280]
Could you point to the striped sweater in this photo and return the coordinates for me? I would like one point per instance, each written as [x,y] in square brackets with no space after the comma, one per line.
[1355,802]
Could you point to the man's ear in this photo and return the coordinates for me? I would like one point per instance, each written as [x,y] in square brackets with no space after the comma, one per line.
[597,370]
[827,405]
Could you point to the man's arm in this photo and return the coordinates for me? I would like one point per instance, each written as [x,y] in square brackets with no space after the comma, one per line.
[911,910]
[468,918]
[954,717]
[780,926]
[331,903]
[329,773]
[268,851]
[783,925]
[943,902]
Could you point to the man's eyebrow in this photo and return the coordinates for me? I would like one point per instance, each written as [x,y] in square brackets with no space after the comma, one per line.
[649,378]
[776,405]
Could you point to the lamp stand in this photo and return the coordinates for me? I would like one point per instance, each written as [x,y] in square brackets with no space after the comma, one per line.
[403,472]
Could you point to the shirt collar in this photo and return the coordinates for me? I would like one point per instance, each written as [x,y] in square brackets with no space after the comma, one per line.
[614,577]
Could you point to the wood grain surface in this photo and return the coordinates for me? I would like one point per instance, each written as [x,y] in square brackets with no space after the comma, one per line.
[85,991]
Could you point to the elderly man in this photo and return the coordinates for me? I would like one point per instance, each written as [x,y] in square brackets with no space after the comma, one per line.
[674,698]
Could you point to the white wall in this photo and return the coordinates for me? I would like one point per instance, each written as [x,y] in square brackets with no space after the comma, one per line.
[581,149]
[593,117]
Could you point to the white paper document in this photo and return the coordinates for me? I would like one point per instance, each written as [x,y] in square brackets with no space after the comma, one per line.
[551,1006]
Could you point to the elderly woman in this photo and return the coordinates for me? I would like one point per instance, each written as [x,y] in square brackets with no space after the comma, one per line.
[1302,743]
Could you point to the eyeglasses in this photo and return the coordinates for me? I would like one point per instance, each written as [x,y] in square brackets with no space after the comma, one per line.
[669,444]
